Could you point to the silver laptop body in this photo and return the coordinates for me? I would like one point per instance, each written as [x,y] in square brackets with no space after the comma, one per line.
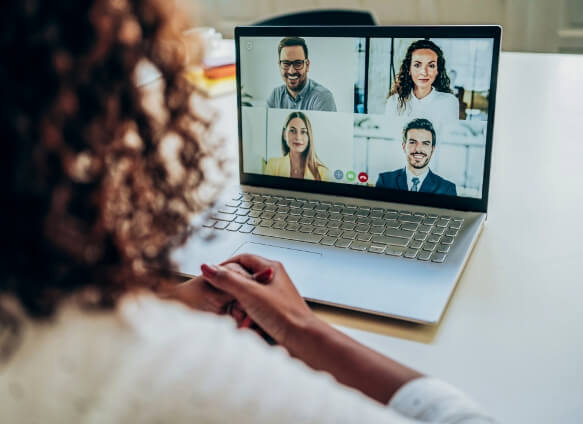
[369,274]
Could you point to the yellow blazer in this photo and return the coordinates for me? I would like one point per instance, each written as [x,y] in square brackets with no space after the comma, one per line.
[281,167]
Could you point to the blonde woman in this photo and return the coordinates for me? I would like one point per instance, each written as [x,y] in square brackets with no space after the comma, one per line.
[299,153]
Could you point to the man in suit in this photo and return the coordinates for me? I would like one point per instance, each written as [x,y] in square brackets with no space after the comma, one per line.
[418,144]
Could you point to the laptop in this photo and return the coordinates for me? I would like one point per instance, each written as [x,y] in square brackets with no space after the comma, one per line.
[364,158]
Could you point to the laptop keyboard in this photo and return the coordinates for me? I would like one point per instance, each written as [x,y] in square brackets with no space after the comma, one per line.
[412,235]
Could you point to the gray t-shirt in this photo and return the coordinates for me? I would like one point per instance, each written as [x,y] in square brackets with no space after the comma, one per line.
[313,96]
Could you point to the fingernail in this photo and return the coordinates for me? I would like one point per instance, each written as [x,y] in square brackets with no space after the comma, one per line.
[246,323]
[264,276]
[208,270]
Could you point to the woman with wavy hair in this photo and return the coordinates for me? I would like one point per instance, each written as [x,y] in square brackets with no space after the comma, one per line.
[422,86]
[299,151]
[100,179]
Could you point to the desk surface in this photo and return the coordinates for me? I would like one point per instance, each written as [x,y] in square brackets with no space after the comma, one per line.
[512,336]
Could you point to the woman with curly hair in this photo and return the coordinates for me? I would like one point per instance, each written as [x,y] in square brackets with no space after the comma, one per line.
[421,88]
[100,179]
[299,151]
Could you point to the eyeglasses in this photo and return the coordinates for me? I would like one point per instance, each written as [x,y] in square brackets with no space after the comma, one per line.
[297,64]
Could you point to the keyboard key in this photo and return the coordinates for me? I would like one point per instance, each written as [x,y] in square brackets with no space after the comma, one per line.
[434,238]
[359,245]
[424,255]
[410,253]
[376,229]
[442,223]
[348,211]
[438,231]
[362,228]
[320,230]
[428,246]
[391,215]
[306,228]
[363,220]
[334,232]
[321,208]
[420,236]
[392,223]
[377,248]
[233,226]
[375,214]
[223,217]
[349,218]
[328,241]
[280,217]
[394,250]
[438,257]
[457,219]
[283,209]
[443,248]
[415,244]
[451,233]
[210,223]
[270,208]
[397,241]
[221,225]
[309,214]
[296,212]
[456,225]
[364,237]
[348,226]
[242,212]
[267,215]
[292,218]
[255,214]
[335,217]
[266,222]
[322,215]
[424,228]
[409,226]
[349,235]
[278,225]
[233,203]
[392,232]
[335,209]
[429,221]
[447,240]
[319,222]
[362,212]
[306,221]
[288,235]
[342,243]
[241,219]
[292,226]
[410,218]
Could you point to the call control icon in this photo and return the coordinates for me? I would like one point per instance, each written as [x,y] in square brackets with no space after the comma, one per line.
[363,177]
[350,175]
[338,174]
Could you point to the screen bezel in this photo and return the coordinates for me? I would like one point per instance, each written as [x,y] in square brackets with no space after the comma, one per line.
[364,192]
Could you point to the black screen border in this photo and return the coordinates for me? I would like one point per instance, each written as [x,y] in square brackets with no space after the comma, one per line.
[364,192]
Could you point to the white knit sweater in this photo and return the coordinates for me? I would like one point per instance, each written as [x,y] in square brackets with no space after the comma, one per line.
[154,361]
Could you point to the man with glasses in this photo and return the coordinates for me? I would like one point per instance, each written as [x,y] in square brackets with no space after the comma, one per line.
[298,92]
[418,145]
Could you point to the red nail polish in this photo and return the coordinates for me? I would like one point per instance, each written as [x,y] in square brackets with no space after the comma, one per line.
[208,270]
[264,276]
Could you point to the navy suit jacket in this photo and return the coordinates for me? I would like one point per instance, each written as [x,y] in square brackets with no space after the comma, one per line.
[433,183]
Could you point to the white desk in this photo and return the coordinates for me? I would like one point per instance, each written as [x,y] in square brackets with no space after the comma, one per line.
[512,336]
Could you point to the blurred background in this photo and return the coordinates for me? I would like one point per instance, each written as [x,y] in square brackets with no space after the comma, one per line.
[553,26]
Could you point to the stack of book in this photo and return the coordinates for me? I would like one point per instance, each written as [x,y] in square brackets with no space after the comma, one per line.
[217,75]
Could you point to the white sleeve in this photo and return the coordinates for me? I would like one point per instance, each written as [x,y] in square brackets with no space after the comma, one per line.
[429,400]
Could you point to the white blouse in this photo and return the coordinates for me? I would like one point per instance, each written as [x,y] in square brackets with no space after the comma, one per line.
[439,108]
[155,361]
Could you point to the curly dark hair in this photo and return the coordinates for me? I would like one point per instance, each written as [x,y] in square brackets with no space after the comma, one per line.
[403,85]
[100,177]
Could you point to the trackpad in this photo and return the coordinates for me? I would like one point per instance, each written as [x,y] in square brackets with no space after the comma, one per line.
[301,265]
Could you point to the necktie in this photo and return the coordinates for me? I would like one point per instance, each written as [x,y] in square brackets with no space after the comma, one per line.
[415,184]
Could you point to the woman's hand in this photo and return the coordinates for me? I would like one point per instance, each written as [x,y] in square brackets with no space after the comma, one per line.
[267,295]
[200,295]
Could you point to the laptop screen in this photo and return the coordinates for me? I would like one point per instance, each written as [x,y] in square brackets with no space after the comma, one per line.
[388,113]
